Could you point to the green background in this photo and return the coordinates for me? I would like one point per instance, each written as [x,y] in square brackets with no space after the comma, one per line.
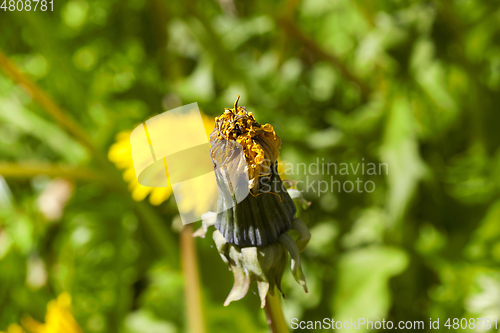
[414,84]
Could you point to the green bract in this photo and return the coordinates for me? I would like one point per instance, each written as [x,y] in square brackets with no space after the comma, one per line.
[265,264]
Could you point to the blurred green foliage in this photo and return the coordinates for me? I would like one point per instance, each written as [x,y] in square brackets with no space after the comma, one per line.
[414,84]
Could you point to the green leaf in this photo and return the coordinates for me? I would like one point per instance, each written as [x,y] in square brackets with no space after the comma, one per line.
[362,289]
[401,153]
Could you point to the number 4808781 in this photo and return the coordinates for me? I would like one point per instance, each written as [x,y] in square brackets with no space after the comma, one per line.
[27,5]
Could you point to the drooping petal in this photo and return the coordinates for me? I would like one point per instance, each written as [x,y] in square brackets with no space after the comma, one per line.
[221,245]
[240,287]
[288,242]
[304,234]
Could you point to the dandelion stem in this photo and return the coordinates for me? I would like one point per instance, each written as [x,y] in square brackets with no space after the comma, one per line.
[274,314]
[192,288]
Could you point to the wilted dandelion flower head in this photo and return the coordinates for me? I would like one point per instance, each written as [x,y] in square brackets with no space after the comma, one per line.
[260,143]
[252,234]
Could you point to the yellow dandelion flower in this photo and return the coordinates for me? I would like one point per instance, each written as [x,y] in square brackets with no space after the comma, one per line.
[14,328]
[58,319]
[121,155]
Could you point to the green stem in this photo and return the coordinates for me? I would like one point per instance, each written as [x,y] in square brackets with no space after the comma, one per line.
[17,170]
[192,288]
[45,101]
[274,314]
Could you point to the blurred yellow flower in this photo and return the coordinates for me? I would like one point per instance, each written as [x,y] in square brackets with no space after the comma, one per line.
[58,319]
[121,155]
[14,328]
